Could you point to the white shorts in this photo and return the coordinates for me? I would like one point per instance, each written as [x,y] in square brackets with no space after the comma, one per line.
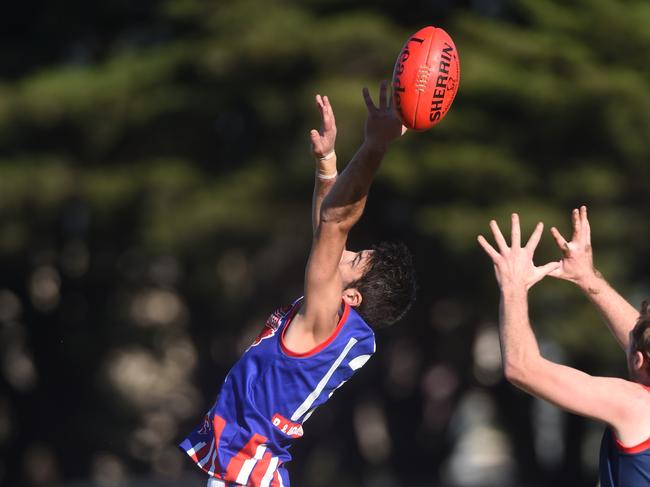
[212,482]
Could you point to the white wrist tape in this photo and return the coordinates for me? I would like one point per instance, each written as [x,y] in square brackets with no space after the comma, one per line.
[327,156]
[326,177]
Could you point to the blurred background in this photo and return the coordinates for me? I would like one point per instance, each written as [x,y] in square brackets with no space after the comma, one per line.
[155,185]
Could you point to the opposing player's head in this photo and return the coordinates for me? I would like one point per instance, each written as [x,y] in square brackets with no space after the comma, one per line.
[639,352]
[379,283]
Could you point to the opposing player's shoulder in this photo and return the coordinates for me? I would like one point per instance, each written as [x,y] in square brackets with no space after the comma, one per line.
[633,423]
[632,393]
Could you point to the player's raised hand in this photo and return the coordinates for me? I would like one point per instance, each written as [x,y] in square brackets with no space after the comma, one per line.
[577,258]
[513,265]
[382,125]
[324,139]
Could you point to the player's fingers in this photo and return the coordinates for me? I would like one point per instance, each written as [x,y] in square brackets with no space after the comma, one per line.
[368,100]
[327,118]
[533,241]
[328,108]
[319,102]
[498,237]
[383,103]
[560,241]
[515,231]
[321,108]
[491,251]
[314,135]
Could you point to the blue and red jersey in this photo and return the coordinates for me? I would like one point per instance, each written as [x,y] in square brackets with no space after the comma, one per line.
[622,466]
[269,394]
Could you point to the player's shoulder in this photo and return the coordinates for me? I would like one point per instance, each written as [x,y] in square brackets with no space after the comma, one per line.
[356,323]
[362,333]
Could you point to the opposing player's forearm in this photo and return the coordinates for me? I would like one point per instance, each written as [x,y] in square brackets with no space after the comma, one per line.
[619,315]
[518,342]
[346,200]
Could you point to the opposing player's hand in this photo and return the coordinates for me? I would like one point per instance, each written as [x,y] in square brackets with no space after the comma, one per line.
[577,263]
[324,139]
[382,125]
[513,265]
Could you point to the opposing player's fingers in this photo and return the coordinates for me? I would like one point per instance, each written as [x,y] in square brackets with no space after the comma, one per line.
[575,220]
[533,241]
[586,227]
[383,103]
[491,251]
[368,100]
[515,231]
[498,237]
[549,268]
[560,241]
[557,272]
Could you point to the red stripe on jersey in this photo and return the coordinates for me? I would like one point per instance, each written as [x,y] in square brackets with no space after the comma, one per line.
[218,424]
[633,449]
[320,346]
[236,462]
[260,469]
[276,479]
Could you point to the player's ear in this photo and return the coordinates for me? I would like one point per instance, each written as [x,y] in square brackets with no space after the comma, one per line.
[639,361]
[352,297]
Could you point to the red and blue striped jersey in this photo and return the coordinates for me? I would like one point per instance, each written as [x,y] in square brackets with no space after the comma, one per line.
[269,394]
[622,466]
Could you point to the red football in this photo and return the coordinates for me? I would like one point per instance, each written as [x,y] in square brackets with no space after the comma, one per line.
[425,79]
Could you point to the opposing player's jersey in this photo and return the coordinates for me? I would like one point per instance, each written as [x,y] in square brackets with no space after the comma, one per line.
[622,466]
[269,394]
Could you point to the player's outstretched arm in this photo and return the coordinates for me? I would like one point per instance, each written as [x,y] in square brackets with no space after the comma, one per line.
[322,148]
[617,402]
[345,203]
[340,211]
[577,266]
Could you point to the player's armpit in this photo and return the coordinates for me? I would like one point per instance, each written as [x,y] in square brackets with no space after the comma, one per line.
[620,403]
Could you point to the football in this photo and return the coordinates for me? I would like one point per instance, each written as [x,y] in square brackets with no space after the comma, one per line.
[425,78]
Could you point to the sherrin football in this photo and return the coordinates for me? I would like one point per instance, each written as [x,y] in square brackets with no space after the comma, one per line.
[425,78]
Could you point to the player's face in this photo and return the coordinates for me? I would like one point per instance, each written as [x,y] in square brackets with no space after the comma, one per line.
[353,265]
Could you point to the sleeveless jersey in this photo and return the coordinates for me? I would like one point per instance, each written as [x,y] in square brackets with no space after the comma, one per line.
[269,394]
[622,466]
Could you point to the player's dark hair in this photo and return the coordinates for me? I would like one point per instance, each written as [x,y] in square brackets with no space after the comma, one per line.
[388,286]
[641,331]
